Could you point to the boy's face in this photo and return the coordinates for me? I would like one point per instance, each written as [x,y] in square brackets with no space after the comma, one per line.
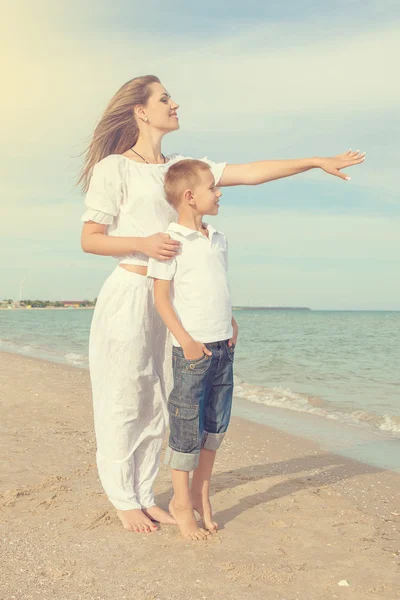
[206,195]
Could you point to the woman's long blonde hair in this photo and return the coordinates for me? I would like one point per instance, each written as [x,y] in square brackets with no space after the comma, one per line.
[117,130]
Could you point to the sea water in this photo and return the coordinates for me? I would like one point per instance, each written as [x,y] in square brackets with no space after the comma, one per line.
[338,366]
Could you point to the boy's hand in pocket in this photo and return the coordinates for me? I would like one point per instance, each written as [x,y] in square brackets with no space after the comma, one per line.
[194,350]
[233,340]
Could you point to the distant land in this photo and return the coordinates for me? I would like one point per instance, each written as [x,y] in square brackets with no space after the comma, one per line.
[271,308]
[27,304]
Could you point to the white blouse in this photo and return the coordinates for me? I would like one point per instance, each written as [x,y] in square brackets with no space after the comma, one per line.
[129,197]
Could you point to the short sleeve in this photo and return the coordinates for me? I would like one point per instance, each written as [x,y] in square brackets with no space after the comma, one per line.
[161,269]
[216,168]
[105,191]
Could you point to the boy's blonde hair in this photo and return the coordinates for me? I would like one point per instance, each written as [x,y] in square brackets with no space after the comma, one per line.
[183,175]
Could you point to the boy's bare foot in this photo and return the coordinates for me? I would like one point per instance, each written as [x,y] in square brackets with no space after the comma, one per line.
[136,520]
[187,523]
[155,513]
[202,505]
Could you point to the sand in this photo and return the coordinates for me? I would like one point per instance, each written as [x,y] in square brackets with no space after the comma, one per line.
[295,520]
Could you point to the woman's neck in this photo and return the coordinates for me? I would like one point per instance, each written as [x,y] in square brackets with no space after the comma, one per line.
[148,146]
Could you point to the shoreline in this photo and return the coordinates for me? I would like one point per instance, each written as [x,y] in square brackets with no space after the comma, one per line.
[48,308]
[234,308]
[372,446]
[295,519]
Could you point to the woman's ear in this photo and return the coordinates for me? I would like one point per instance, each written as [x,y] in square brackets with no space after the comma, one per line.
[140,113]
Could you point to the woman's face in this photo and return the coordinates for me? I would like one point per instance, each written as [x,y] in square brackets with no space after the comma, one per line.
[161,110]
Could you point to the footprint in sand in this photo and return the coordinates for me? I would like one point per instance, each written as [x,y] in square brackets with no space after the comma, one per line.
[95,520]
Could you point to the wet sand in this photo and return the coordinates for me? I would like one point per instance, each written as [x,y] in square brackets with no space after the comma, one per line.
[295,520]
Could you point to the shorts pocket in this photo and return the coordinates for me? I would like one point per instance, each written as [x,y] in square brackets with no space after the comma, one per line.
[197,366]
[230,351]
[184,426]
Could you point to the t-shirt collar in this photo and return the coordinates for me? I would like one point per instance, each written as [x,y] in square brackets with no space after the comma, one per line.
[186,231]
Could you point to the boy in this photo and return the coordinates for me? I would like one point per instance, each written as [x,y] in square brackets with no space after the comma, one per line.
[204,336]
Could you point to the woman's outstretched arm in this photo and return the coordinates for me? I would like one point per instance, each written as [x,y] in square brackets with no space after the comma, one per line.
[268,170]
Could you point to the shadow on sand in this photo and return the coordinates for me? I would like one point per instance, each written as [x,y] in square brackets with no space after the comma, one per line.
[331,469]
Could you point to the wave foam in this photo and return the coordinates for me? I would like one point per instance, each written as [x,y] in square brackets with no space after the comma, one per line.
[390,423]
[76,359]
[289,400]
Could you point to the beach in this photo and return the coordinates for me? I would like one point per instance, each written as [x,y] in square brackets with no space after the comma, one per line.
[295,520]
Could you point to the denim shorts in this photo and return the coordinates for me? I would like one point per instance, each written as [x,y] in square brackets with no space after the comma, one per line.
[200,404]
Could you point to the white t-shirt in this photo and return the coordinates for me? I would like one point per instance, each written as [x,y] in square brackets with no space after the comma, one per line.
[200,288]
[129,197]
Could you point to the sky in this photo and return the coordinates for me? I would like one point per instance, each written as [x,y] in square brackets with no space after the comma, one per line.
[254,80]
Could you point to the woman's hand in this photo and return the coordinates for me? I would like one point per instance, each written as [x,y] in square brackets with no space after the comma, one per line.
[193,350]
[160,246]
[233,340]
[333,164]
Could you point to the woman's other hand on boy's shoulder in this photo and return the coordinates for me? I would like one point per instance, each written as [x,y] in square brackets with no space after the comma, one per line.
[160,246]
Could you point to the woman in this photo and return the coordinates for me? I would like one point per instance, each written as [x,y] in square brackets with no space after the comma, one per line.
[126,209]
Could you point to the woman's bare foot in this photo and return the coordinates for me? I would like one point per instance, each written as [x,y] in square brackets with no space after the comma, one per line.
[186,521]
[155,513]
[136,520]
[202,505]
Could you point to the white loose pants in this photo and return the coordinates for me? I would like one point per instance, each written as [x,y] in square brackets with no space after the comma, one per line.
[131,375]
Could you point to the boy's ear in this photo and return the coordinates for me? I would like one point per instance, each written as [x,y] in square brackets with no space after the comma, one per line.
[188,196]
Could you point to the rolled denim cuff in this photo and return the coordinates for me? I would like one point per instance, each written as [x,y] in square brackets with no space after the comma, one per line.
[181,461]
[212,441]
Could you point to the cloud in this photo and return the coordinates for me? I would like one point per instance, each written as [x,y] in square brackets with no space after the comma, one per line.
[342,285]
[287,92]
[49,222]
[281,88]
[296,235]
[280,70]
[276,257]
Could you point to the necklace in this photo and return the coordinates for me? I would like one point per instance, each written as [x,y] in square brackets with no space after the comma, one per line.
[146,161]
